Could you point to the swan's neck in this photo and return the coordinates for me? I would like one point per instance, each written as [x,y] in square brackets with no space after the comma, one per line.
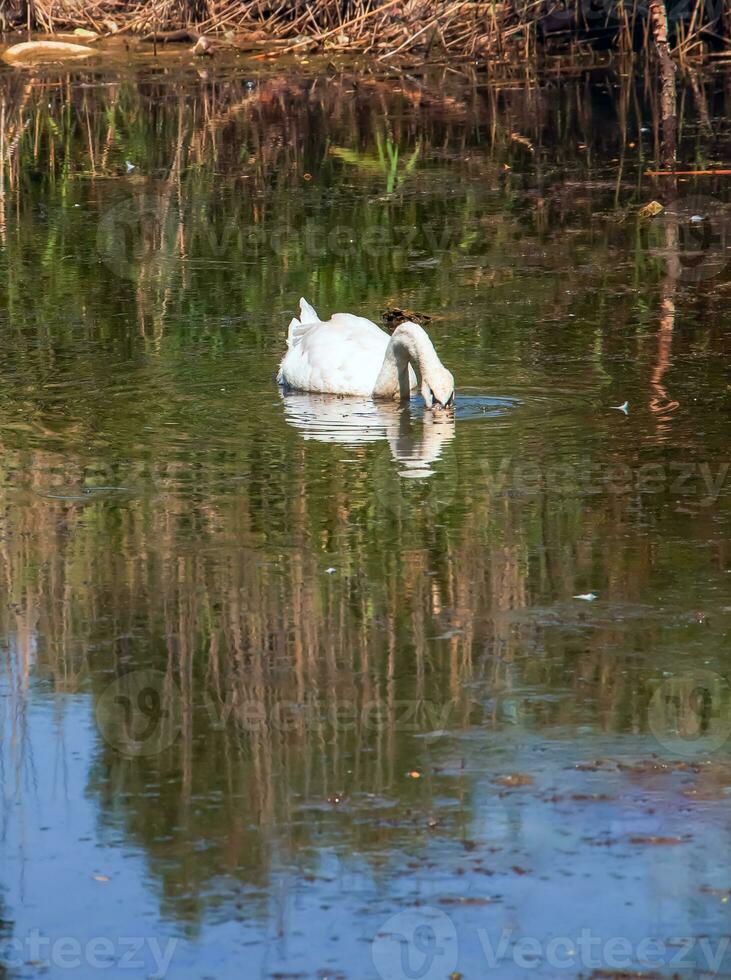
[409,344]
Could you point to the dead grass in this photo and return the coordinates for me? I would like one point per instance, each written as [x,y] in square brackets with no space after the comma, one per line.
[432,29]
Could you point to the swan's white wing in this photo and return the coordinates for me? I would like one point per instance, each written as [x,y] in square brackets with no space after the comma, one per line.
[368,329]
[341,356]
[359,326]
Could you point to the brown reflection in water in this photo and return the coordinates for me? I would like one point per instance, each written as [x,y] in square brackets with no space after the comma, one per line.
[261,646]
[660,402]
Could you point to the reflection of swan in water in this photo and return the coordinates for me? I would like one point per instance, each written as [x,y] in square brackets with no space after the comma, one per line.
[354,421]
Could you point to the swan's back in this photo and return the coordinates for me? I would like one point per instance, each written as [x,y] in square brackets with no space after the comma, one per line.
[339,356]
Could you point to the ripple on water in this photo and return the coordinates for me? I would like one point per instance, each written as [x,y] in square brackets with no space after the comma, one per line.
[468,407]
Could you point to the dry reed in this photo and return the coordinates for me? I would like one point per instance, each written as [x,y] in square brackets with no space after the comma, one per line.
[435,29]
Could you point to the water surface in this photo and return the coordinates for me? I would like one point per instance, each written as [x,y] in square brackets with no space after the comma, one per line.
[278,669]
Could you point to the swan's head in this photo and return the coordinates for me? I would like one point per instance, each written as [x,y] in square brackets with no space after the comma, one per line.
[437,388]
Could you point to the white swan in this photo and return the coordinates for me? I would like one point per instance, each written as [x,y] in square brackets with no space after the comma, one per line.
[349,355]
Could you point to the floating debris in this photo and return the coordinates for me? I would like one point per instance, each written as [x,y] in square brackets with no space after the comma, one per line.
[202,48]
[394,317]
[36,52]
[587,596]
[624,407]
[659,841]
[514,779]
[651,209]
[466,900]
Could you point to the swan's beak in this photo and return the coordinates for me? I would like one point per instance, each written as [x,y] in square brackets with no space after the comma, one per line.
[430,398]
[438,406]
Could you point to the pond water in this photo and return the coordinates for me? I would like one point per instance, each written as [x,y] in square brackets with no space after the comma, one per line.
[300,687]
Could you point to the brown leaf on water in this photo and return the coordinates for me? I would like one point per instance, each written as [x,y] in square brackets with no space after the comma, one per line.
[655,766]
[723,893]
[623,975]
[514,779]
[465,900]
[651,209]
[659,841]
[592,766]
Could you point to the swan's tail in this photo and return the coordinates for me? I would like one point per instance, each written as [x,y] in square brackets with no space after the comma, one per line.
[307,313]
[297,328]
